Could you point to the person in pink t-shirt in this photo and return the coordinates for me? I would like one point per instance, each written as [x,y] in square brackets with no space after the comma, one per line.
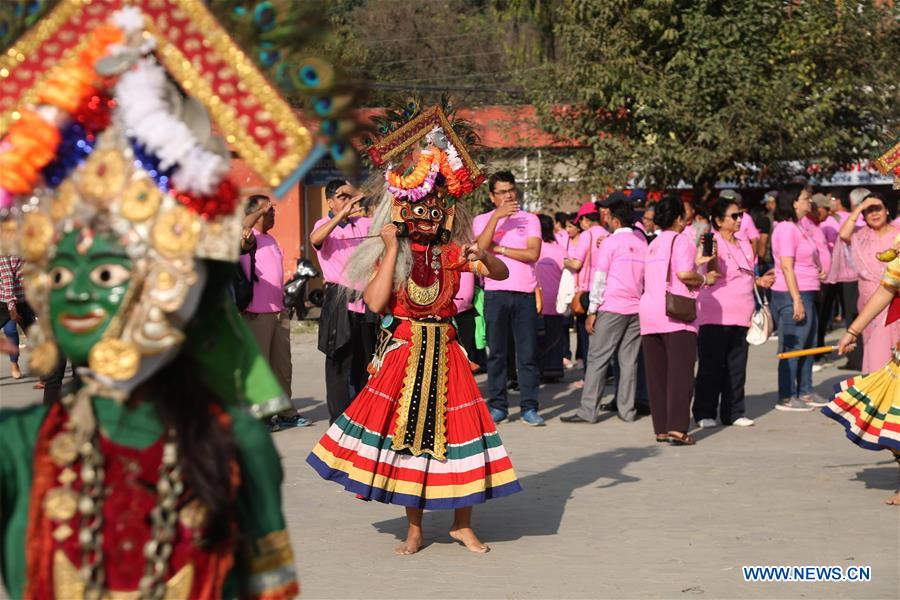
[669,344]
[724,310]
[560,232]
[613,316]
[509,305]
[580,261]
[551,336]
[799,271]
[265,315]
[346,336]
[866,243]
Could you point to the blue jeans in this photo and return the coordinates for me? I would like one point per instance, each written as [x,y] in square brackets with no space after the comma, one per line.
[11,332]
[515,312]
[794,374]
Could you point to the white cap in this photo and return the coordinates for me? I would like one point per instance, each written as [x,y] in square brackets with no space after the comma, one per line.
[857,195]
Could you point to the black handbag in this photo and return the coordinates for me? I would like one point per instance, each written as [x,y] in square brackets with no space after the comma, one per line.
[680,308]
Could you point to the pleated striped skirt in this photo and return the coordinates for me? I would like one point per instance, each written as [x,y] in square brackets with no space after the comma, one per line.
[869,407]
[356,450]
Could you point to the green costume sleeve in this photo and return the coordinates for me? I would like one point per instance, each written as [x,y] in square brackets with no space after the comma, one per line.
[266,565]
[480,327]
[18,433]
[231,363]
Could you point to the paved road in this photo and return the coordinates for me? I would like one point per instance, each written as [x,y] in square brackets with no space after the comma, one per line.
[607,512]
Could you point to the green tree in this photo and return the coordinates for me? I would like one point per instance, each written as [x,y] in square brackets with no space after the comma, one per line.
[704,90]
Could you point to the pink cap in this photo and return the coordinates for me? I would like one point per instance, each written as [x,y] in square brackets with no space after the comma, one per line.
[586,209]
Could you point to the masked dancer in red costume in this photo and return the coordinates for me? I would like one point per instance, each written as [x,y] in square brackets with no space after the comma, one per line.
[419,434]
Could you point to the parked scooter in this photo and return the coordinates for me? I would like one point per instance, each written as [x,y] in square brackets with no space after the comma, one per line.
[295,289]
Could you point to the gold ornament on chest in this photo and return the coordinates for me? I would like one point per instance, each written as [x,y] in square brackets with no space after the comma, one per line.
[423,296]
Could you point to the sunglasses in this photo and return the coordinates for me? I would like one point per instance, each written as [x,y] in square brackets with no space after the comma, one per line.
[735,215]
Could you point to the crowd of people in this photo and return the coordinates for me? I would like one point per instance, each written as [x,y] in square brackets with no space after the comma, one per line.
[614,273]
[608,273]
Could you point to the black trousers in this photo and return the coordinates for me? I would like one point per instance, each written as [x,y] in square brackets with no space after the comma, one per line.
[582,338]
[670,361]
[465,332]
[551,345]
[721,374]
[346,371]
[848,293]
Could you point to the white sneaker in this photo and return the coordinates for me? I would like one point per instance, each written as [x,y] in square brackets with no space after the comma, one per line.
[743,422]
[707,423]
[817,367]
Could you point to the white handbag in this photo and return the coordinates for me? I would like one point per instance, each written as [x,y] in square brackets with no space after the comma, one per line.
[566,293]
[760,322]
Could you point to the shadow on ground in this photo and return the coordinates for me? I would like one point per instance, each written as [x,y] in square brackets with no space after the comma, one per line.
[539,508]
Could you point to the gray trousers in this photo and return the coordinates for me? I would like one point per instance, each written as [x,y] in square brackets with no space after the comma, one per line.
[613,334]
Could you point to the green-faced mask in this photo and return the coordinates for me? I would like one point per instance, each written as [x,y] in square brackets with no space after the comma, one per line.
[89,277]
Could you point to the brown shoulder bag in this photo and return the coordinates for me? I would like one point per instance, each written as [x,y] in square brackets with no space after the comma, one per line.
[680,308]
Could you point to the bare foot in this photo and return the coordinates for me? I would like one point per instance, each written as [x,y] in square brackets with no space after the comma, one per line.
[467,536]
[411,545]
[894,500]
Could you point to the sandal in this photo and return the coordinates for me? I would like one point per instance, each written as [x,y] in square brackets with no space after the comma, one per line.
[681,439]
[662,438]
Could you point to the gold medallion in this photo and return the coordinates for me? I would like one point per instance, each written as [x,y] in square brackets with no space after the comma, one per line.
[37,234]
[141,200]
[423,296]
[114,358]
[176,232]
[67,476]
[62,533]
[43,358]
[60,503]
[102,177]
[64,449]
[63,204]
[193,515]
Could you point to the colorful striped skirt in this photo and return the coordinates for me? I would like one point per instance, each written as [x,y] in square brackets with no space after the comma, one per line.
[869,408]
[357,452]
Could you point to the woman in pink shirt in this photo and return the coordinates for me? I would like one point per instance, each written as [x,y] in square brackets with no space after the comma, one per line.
[865,243]
[798,276]
[670,345]
[580,260]
[548,270]
[724,311]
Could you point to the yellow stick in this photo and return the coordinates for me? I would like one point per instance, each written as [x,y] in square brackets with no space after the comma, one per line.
[808,352]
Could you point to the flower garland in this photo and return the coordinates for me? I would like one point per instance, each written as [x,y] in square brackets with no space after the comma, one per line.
[141,95]
[419,173]
[415,194]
